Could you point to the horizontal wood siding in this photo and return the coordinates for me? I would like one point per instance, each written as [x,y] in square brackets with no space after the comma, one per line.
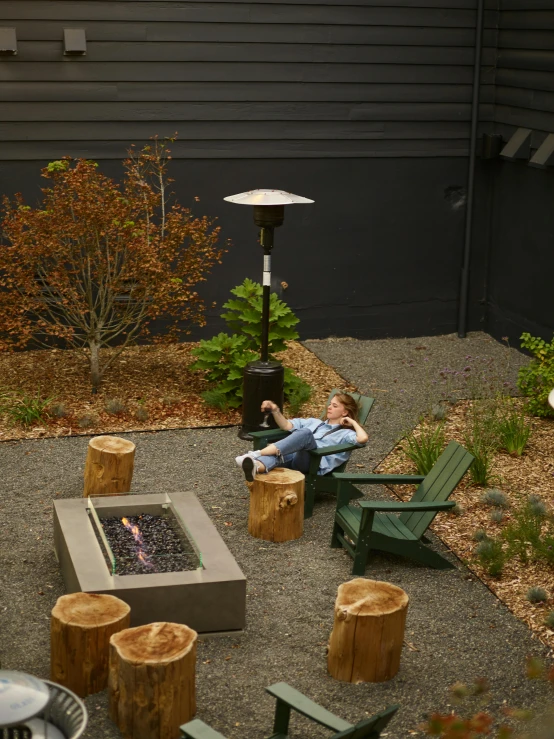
[367,78]
[525,68]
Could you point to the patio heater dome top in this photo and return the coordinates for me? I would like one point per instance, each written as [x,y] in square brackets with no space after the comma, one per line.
[267,197]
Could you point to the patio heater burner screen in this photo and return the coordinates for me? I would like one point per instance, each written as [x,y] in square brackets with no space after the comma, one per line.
[146,544]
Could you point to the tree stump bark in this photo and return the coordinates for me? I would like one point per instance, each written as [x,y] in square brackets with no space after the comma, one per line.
[368,633]
[152,680]
[277,505]
[81,627]
[109,466]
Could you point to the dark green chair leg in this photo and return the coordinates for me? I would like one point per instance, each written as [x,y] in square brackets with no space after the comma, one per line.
[282,718]
[363,543]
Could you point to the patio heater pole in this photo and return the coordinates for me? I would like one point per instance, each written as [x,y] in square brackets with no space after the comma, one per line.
[264,379]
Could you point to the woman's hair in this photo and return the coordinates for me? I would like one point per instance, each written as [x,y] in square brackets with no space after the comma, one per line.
[350,405]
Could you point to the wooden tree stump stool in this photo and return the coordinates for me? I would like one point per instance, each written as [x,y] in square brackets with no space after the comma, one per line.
[81,627]
[152,680]
[368,632]
[109,466]
[277,505]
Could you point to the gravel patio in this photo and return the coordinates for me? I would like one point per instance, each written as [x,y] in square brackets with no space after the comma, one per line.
[456,628]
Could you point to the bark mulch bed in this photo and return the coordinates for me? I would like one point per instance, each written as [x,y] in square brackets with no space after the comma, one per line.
[151,381]
[518,477]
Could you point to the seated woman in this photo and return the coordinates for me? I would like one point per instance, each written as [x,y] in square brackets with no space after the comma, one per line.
[341,427]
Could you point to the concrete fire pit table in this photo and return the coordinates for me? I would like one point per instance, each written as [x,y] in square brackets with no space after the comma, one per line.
[208,599]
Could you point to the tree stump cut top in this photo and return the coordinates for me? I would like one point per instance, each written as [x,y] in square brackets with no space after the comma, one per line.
[362,597]
[156,644]
[89,610]
[112,445]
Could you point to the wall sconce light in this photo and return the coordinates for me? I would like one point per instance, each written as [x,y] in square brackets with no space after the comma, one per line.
[8,41]
[74,41]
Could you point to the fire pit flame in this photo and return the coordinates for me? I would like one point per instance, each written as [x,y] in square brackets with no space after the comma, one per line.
[135,531]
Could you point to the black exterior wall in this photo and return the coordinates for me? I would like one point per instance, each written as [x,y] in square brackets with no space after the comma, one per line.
[363,106]
[520,224]
[378,253]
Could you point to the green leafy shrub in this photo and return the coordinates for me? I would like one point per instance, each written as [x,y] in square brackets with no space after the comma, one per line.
[141,414]
[87,420]
[481,440]
[536,379]
[512,427]
[426,447]
[58,410]
[25,409]
[495,497]
[496,515]
[529,534]
[298,391]
[114,406]
[225,356]
[491,556]
[438,412]
[549,620]
[536,595]
[480,535]
[537,505]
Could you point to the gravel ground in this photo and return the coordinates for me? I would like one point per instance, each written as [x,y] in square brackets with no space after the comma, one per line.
[458,629]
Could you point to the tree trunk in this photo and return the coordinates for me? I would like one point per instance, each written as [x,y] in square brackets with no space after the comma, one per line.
[151,686]
[109,466]
[81,627]
[277,505]
[368,633]
[95,374]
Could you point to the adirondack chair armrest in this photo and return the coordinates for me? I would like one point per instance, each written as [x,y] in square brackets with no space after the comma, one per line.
[197,729]
[335,449]
[301,704]
[384,506]
[263,438]
[361,478]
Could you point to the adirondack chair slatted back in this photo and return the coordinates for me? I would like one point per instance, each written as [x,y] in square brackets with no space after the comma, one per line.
[371,728]
[438,485]
[364,404]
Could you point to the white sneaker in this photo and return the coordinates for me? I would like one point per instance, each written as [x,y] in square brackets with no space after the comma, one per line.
[239,460]
[250,468]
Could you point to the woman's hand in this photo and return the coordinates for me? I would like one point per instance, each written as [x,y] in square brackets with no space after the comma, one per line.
[349,423]
[268,406]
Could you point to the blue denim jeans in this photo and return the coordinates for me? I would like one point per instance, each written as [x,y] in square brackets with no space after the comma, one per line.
[292,451]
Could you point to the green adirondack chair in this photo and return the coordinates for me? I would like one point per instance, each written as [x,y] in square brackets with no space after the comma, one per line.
[318,483]
[373,524]
[289,699]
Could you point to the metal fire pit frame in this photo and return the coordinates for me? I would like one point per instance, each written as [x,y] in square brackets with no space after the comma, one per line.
[209,600]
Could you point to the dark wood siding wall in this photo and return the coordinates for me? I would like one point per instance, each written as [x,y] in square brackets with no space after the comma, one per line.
[362,105]
[521,266]
[525,68]
[386,78]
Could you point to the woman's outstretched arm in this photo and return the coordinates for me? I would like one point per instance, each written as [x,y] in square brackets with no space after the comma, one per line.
[268,406]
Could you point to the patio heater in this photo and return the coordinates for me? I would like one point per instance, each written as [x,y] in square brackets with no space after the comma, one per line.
[263,379]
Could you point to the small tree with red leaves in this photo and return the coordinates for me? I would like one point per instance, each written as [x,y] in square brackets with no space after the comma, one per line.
[98,261]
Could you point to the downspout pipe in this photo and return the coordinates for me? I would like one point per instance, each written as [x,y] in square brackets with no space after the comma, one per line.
[464,279]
